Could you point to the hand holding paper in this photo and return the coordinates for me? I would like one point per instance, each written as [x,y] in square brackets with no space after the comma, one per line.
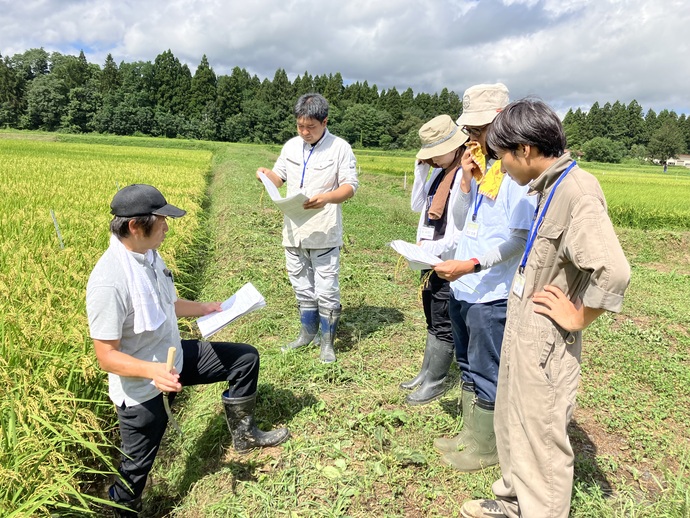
[415,255]
[291,206]
[246,300]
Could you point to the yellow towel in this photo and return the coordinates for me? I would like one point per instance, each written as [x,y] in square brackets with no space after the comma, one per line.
[491,182]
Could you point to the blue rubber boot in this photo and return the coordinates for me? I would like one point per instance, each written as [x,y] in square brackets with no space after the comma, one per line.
[309,318]
[329,323]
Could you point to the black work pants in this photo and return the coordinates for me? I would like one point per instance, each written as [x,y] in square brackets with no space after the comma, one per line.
[142,426]
[435,297]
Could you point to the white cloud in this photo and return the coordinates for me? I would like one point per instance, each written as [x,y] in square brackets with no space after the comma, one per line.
[569,52]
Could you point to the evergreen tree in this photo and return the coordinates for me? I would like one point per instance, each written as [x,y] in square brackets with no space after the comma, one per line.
[282,92]
[11,94]
[203,92]
[110,76]
[575,126]
[73,71]
[390,102]
[635,124]
[365,126]
[596,125]
[355,94]
[172,83]
[651,125]
[320,83]
[407,99]
[232,91]
[685,129]
[424,102]
[303,85]
[334,89]
[618,124]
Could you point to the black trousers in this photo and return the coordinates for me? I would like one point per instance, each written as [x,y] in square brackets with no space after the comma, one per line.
[142,426]
[435,298]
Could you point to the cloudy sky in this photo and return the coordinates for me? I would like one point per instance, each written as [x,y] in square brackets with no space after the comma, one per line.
[570,53]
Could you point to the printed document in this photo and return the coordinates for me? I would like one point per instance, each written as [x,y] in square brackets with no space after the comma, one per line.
[291,206]
[415,255]
[246,300]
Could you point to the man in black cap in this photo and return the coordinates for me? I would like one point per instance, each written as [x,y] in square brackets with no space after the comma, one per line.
[133,308]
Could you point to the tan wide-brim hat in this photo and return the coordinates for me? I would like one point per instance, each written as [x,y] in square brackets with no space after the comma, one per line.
[481,104]
[440,136]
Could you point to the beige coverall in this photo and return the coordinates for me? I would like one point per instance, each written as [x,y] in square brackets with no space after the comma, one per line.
[577,250]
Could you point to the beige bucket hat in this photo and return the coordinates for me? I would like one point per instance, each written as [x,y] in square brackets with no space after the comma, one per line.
[481,104]
[440,136]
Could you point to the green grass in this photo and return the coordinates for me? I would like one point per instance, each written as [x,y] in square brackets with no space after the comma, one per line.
[356,448]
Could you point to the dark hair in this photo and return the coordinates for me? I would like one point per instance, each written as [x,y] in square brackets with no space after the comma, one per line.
[119,225]
[312,106]
[527,121]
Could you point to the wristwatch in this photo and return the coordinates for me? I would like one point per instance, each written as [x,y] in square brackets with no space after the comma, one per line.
[477,265]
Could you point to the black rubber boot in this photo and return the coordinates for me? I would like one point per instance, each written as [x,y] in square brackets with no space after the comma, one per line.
[134,507]
[417,380]
[329,324]
[433,387]
[239,414]
[309,318]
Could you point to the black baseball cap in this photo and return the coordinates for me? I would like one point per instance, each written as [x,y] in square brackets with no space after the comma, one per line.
[142,200]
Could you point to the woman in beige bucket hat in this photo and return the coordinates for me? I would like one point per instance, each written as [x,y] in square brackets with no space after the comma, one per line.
[443,144]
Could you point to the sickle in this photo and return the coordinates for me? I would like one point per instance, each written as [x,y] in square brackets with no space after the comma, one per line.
[169,366]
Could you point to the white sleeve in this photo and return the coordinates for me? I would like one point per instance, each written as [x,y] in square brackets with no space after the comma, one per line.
[347,169]
[461,207]
[513,246]
[419,192]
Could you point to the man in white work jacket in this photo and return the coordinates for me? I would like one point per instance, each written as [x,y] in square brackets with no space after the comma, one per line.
[323,167]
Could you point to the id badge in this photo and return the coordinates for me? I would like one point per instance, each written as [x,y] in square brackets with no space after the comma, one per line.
[427,233]
[519,284]
[472,229]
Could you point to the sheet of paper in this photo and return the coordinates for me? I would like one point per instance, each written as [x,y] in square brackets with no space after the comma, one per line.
[291,206]
[415,255]
[246,300]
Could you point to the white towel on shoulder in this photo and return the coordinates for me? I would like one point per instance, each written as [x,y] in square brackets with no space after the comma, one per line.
[148,314]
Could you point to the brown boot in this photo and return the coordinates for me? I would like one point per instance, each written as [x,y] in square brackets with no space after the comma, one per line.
[482,509]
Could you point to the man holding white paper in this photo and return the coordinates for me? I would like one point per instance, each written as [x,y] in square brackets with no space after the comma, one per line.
[133,308]
[323,168]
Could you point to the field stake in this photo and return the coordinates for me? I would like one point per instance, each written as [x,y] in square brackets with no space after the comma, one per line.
[57,229]
[405,182]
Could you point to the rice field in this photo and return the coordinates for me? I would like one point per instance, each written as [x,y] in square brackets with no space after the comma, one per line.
[50,414]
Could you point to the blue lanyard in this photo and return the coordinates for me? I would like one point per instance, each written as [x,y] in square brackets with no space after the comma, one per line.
[477,204]
[533,228]
[305,162]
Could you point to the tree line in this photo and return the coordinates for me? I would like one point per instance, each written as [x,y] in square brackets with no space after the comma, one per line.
[56,92]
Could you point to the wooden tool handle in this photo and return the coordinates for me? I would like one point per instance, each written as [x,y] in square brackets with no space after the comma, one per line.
[171,358]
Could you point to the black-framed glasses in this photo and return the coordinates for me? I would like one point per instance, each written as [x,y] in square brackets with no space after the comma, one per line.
[473,131]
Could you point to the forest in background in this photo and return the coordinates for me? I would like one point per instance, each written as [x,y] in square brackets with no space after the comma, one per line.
[55,92]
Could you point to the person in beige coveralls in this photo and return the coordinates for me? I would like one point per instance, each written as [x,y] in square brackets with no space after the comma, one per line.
[573,270]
